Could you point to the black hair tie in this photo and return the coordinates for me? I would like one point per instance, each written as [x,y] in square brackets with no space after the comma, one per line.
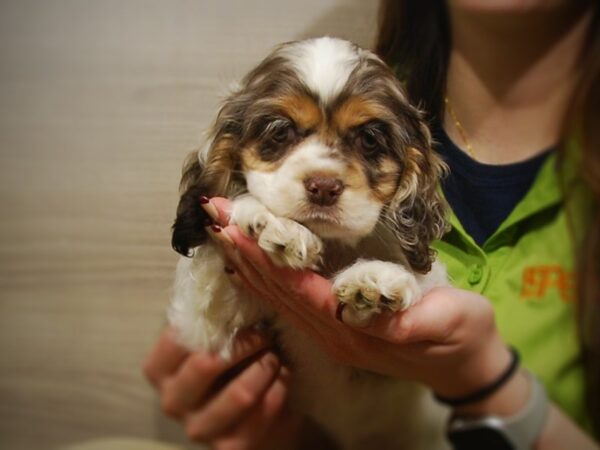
[487,390]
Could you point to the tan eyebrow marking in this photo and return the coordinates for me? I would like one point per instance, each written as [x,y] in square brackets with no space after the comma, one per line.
[302,109]
[356,111]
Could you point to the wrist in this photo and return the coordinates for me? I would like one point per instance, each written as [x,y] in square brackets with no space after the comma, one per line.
[508,400]
[474,370]
[519,430]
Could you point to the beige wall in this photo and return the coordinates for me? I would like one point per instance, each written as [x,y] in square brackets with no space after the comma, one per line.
[99,103]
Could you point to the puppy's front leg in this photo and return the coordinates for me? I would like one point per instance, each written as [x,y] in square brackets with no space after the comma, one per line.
[206,309]
[287,242]
[369,287]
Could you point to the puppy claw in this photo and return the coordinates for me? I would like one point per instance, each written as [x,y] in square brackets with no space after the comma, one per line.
[370,287]
[290,244]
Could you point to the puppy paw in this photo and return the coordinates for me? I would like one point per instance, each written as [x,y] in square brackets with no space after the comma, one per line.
[287,243]
[290,244]
[369,287]
[250,215]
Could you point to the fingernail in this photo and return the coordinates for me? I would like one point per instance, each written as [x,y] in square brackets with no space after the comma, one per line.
[236,281]
[271,361]
[221,236]
[210,209]
[285,373]
[233,276]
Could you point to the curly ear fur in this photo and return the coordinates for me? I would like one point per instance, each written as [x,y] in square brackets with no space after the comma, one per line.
[418,207]
[216,171]
[188,229]
[210,174]
[417,210]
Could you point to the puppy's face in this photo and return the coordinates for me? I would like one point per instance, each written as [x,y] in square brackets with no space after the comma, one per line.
[320,132]
[331,169]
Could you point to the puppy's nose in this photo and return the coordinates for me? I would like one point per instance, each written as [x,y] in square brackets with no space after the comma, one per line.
[323,191]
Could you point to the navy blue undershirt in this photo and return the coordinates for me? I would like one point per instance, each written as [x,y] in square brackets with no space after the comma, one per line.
[483,195]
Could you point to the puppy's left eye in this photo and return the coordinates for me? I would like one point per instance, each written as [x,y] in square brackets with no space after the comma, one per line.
[370,139]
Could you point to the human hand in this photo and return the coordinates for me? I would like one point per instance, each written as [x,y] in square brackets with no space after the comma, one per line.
[238,403]
[448,340]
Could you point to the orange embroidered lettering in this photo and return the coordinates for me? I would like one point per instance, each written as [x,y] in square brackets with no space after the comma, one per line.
[537,280]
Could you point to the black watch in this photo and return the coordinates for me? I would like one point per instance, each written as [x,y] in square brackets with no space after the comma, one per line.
[517,432]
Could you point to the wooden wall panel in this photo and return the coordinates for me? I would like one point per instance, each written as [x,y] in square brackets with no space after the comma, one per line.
[99,103]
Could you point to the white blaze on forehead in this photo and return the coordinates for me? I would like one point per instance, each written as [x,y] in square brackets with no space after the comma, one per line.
[324,64]
[312,156]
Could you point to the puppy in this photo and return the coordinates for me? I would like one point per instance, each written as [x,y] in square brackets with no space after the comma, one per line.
[329,167]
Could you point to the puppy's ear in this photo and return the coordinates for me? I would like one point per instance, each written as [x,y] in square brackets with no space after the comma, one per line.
[418,207]
[209,173]
[188,229]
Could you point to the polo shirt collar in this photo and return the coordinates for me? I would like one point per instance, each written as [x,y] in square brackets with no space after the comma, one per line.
[547,191]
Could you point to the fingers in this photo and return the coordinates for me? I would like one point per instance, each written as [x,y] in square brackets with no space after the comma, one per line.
[247,274]
[438,317]
[296,314]
[237,269]
[262,283]
[189,386]
[303,283]
[307,288]
[219,209]
[303,297]
[263,419]
[165,358]
[229,406]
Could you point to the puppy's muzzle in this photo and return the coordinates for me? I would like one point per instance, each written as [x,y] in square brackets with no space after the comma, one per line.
[323,191]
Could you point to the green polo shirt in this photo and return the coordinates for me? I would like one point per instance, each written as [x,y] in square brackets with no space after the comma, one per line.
[526,269]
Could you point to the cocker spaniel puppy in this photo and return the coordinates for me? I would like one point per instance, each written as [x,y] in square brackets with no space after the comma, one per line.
[329,167]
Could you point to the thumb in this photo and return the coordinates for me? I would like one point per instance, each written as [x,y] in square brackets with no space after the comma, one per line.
[435,318]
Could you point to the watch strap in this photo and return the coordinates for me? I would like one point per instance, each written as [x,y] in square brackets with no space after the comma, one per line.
[519,431]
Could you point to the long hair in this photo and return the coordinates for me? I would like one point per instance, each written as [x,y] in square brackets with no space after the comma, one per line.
[414,36]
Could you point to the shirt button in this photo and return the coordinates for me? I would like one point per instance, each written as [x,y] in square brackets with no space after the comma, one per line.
[475,274]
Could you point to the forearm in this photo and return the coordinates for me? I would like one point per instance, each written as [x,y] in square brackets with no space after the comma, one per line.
[559,431]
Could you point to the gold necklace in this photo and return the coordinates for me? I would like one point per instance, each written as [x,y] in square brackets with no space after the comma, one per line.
[459,127]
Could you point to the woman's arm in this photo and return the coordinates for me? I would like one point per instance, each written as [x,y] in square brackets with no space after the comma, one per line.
[560,432]
[448,340]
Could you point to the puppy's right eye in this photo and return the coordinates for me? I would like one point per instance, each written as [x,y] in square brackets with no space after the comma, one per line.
[283,134]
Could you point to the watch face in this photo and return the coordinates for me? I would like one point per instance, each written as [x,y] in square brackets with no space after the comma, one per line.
[479,439]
